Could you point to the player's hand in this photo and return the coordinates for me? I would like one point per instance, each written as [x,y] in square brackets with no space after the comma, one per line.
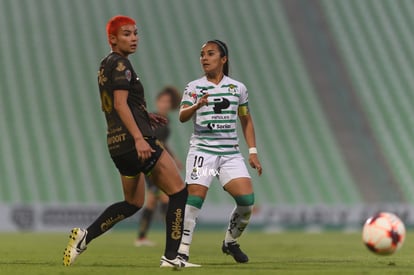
[157,120]
[144,150]
[203,101]
[255,163]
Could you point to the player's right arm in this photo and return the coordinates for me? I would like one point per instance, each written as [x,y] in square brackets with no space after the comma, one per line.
[187,111]
[144,150]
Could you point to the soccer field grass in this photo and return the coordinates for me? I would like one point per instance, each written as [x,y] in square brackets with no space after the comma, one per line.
[283,253]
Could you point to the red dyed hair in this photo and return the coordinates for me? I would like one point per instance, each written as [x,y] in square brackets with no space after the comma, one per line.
[116,22]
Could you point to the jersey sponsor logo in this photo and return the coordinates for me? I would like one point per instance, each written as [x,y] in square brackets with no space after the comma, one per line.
[114,130]
[120,67]
[218,126]
[116,139]
[101,77]
[203,172]
[192,95]
[220,117]
[120,77]
[220,104]
[128,75]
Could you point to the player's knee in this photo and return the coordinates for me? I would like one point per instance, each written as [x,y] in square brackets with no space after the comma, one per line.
[180,195]
[195,201]
[245,200]
[131,208]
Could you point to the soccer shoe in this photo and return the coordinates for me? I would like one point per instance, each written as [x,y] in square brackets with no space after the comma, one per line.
[234,250]
[184,261]
[76,245]
[177,263]
[143,242]
[183,256]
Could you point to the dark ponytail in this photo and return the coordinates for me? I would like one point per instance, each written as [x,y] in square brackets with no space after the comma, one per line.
[223,52]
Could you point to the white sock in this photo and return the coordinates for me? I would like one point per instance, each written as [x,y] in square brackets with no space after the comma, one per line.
[190,217]
[239,219]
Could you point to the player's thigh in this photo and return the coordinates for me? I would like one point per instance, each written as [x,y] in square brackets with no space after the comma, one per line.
[166,176]
[234,175]
[134,189]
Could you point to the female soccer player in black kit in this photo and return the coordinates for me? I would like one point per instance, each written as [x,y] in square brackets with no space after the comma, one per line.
[133,148]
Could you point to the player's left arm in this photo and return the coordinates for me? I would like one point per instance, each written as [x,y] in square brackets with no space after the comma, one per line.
[250,137]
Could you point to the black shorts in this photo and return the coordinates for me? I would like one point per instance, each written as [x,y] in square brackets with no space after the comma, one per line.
[130,165]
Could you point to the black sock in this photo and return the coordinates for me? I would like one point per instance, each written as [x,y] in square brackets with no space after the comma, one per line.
[111,216]
[174,223]
[145,222]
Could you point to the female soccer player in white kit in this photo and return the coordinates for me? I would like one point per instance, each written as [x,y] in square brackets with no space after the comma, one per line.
[214,102]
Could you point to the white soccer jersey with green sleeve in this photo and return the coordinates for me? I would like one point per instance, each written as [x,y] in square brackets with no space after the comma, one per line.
[215,125]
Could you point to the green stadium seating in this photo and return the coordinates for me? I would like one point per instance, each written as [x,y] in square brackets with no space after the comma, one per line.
[375,39]
[52,131]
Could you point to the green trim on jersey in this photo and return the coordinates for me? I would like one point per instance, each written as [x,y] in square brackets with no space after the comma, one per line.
[231,102]
[205,88]
[187,103]
[219,121]
[218,131]
[222,112]
[218,138]
[223,94]
[244,104]
[218,153]
[229,86]
[216,146]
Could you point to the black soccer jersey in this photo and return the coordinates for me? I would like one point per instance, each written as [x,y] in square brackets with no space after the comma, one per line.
[116,73]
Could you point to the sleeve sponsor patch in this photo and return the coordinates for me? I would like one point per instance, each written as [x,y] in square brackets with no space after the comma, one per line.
[128,75]
[120,67]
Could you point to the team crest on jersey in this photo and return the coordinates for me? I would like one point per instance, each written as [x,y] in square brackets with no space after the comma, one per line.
[101,77]
[194,174]
[120,67]
[128,75]
[232,89]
